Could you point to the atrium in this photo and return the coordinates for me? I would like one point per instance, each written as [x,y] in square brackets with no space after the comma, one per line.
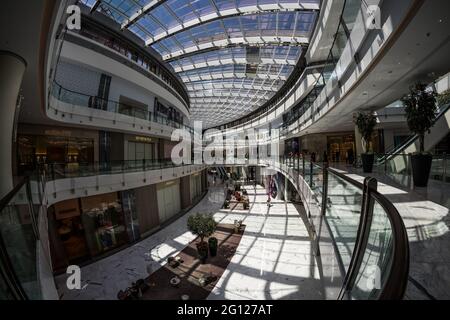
[225,150]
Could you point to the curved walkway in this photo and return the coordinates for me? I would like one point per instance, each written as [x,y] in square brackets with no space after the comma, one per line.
[273,261]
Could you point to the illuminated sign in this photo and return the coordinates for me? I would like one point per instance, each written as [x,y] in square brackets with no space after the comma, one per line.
[143,139]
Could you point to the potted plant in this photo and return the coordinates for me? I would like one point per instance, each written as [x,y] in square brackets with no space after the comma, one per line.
[202,225]
[366,122]
[421,113]
[212,242]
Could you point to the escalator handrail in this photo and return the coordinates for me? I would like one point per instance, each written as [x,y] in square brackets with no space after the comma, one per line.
[6,267]
[398,274]
[414,137]
[397,279]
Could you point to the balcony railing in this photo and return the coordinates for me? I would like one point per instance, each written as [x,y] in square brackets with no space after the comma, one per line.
[367,233]
[364,228]
[94,102]
[57,171]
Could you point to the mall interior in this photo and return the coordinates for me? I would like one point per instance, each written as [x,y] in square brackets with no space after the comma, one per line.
[328,122]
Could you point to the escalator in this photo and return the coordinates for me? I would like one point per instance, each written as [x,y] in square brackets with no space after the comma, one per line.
[439,131]
[396,163]
[222,173]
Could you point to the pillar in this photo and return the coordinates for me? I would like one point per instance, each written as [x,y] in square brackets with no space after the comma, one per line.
[12,69]
[358,143]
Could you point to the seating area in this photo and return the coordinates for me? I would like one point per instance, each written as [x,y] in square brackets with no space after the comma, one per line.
[236,198]
[185,276]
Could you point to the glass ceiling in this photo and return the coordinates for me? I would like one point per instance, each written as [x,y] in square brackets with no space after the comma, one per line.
[233,55]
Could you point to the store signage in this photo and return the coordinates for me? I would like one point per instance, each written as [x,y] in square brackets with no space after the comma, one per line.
[143,139]
[60,133]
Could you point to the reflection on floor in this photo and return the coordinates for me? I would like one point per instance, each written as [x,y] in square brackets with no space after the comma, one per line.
[273,261]
[425,212]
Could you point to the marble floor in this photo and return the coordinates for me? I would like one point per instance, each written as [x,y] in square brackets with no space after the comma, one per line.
[273,261]
[425,212]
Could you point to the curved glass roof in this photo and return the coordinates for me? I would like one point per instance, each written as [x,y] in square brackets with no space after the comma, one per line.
[233,55]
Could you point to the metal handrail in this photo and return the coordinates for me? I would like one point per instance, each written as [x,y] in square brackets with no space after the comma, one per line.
[6,267]
[397,281]
[413,137]
[57,89]
[395,285]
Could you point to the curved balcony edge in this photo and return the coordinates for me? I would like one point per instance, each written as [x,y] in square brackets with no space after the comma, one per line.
[393,270]
[82,110]
[99,183]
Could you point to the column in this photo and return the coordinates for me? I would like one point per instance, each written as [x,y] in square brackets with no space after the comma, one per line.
[12,69]
[358,143]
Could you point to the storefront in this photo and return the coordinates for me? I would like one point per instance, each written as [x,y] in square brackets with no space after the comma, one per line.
[141,147]
[341,148]
[196,186]
[169,200]
[104,222]
[37,146]
[80,229]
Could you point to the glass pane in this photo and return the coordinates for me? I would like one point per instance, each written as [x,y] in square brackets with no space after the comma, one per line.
[377,258]
[342,214]
[20,242]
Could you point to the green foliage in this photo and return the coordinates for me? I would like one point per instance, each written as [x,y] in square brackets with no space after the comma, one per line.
[443,98]
[366,123]
[421,111]
[202,225]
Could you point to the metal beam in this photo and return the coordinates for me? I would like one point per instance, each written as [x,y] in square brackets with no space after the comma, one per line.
[226,14]
[95,6]
[142,12]
[233,42]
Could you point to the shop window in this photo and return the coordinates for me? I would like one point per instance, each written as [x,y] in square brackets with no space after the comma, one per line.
[38,150]
[130,214]
[69,243]
[104,222]
[140,151]
[169,201]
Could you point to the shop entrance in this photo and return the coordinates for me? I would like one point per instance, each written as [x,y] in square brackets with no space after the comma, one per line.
[341,148]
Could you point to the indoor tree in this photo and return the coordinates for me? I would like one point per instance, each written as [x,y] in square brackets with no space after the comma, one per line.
[202,225]
[421,113]
[366,122]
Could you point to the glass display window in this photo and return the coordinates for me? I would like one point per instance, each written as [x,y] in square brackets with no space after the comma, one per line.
[104,222]
[70,231]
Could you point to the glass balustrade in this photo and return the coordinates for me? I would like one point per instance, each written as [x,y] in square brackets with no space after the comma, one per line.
[343,213]
[18,229]
[93,102]
[74,170]
[377,259]
[363,226]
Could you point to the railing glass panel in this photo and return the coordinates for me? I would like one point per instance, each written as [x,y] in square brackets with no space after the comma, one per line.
[378,258]
[343,212]
[18,234]
[84,100]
